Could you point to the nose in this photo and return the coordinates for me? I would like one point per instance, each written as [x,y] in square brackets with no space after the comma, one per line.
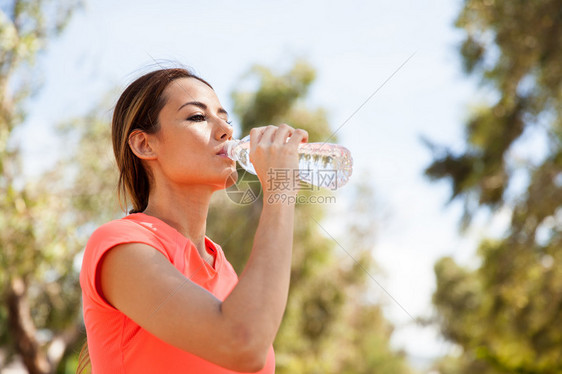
[223,131]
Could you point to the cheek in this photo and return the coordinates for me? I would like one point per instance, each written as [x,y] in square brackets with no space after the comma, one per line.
[185,156]
[180,146]
[178,158]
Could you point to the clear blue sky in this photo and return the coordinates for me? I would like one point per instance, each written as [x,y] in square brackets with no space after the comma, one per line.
[355,47]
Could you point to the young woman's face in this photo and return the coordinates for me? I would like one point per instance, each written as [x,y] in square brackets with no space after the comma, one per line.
[193,131]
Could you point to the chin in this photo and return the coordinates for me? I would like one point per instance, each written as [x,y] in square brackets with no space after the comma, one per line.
[230,180]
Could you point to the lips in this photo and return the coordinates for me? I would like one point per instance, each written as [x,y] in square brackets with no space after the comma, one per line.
[222,151]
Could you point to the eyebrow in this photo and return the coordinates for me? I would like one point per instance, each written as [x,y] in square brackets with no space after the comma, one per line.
[202,106]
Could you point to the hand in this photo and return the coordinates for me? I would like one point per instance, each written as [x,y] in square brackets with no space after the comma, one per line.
[274,158]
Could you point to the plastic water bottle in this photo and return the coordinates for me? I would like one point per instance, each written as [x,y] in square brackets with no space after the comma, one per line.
[320,164]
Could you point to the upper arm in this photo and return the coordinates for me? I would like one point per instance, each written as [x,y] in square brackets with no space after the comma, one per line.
[139,281]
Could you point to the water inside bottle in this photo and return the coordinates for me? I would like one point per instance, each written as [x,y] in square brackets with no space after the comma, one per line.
[325,165]
[320,164]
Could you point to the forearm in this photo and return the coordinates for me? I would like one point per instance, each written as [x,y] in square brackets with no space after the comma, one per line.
[257,303]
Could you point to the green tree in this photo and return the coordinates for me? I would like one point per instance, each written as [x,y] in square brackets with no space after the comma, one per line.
[327,328]
[506,314]
[37,284]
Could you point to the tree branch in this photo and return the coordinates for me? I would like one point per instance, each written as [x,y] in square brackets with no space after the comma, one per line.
[23,329]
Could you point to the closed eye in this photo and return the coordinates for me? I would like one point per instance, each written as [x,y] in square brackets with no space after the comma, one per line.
[202,118]
[197,118]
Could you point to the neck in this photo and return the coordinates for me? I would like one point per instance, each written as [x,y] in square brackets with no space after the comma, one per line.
[185,209]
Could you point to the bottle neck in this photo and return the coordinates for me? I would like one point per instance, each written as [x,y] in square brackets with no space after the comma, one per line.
[230,149]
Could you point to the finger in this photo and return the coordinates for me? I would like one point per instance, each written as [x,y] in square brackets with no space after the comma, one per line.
[298,136]
[283,132]
[261,136]
[256,133]
[268,136]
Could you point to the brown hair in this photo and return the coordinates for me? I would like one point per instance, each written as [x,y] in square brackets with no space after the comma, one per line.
[138,109]
[84,364]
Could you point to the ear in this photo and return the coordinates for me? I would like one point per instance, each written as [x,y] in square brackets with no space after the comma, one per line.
[140,145]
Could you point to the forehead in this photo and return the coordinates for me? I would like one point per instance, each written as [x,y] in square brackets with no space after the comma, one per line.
[183,90]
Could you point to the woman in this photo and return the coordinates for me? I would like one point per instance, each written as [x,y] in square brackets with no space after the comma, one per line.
[159,296]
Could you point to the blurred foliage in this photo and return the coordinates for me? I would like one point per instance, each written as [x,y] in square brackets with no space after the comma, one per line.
[506,315]
[328,326]
[39,319]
